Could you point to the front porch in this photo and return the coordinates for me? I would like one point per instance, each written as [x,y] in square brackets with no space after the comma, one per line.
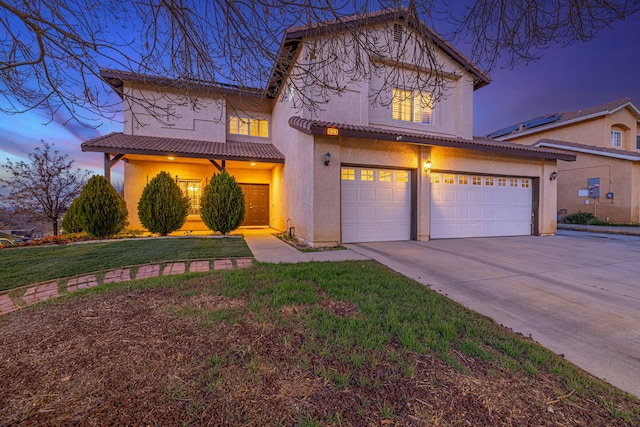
[257,167]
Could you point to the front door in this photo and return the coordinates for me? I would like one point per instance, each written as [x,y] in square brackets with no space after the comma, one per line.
[256,197]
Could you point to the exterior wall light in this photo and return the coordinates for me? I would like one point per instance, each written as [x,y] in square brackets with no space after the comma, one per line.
[553,176]
[426,166]
[327,159]
[333,131]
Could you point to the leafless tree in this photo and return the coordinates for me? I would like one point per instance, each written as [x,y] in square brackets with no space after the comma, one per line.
[51,51]
[44,187]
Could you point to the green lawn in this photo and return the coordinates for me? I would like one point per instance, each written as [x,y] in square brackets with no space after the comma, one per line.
[28,265]
[374,345]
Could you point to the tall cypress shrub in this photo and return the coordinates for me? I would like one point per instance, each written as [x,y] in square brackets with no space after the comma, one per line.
[222,206]
[101,211]
[70,222]
[163,208]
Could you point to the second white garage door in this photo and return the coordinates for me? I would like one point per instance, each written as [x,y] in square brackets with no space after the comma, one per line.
[376,204]
[479,206]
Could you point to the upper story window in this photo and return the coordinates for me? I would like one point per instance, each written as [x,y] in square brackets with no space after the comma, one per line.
[616,138]
[248,126]
[638,142]
[412,106]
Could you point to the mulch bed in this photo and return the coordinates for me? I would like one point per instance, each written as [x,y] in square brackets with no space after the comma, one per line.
[167,356]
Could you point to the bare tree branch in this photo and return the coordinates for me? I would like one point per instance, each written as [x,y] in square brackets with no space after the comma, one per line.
[52,51]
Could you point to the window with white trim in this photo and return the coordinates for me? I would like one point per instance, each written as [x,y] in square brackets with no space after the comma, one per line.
[248,126]
[412,106]
[616,138]
[192,188]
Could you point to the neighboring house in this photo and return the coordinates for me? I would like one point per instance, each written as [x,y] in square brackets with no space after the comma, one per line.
[351,171]
[605,179]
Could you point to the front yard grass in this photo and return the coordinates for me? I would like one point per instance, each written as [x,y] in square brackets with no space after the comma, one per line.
[315,344]
[24,266]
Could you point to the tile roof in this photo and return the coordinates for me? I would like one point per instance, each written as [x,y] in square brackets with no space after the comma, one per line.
[316,127]
[119,143]
[559,119]
[584,148]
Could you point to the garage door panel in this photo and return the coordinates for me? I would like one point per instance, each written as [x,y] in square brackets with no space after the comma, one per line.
[474,206]
[375,209]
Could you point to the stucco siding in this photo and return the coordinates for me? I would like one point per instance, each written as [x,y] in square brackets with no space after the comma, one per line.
[615,177]
[175,116]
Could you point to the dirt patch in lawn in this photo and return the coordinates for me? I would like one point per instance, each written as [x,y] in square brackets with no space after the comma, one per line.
[187,356]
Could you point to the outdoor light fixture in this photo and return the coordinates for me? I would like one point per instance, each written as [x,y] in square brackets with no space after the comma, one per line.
[333,131]
[553,176]
[426,166]
[327,159]
[171,158]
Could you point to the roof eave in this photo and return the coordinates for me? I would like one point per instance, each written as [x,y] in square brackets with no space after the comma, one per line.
[321,129]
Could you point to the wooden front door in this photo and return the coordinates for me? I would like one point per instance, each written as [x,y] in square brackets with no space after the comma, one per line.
[256,197]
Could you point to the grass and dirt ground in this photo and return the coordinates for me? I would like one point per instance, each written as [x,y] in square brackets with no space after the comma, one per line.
[26,265]
[315,344]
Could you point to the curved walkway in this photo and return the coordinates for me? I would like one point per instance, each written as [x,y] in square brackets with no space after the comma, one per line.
[15,299]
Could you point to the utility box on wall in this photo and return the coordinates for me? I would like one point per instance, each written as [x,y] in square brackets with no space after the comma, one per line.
[594,187]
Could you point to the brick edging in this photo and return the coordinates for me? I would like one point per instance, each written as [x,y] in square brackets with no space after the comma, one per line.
[24,296]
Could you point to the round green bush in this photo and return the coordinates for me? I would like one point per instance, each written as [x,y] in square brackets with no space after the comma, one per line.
[579,218]
[163,208]
[222,207]
[101,212]
[70,222]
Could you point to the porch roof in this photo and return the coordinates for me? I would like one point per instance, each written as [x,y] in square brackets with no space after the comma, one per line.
[119,143]
[315,127]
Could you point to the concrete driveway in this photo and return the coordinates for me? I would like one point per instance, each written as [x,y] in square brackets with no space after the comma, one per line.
[577,294]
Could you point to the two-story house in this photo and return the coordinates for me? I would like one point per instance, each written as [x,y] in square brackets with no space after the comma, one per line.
[605,179]
[352,170]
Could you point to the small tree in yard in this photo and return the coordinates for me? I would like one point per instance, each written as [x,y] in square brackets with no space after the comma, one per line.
[101,212]
[222,207]
[70,222]
[45,186]
[163,208]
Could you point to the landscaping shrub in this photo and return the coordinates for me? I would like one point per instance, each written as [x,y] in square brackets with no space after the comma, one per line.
[598,221]
[101,211]
[70,222]
[163,208]
[222,207]
[579,218]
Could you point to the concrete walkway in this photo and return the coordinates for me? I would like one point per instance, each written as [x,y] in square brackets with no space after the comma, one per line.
[268,248]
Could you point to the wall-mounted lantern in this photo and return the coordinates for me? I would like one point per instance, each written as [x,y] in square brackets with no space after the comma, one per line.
[553,176]
[327,159]
[426,166]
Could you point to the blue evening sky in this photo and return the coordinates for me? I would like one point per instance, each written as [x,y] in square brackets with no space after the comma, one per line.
[565,79]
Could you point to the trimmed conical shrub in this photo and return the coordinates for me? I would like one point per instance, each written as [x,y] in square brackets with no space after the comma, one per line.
[222,206]
[101,212]
[70,222]
[163,208]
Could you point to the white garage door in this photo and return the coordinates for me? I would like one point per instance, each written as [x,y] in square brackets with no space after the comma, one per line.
[376,204]
[479,206]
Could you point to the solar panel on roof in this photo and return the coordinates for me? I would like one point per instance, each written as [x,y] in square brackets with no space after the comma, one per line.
[538,121]
[541,121]
[504,131]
